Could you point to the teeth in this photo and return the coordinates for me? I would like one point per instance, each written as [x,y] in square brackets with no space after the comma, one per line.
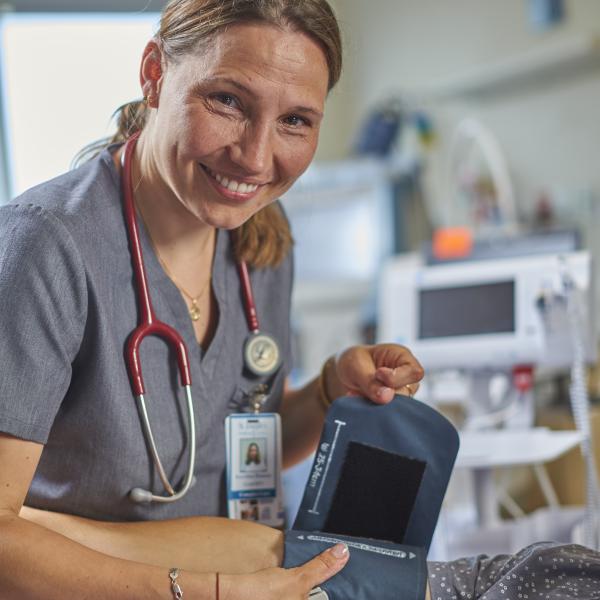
[234,186]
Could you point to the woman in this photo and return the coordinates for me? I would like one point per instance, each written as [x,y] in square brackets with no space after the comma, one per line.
[253,455]
[234,95]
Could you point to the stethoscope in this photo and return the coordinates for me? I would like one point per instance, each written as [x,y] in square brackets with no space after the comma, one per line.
[261,352]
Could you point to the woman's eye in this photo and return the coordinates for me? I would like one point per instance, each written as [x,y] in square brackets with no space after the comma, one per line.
[295,121]
[227,100]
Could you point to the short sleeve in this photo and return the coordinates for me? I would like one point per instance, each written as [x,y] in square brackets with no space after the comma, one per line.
[43,305]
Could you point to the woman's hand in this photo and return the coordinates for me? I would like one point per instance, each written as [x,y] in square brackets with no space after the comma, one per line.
[375,372]
[291,584]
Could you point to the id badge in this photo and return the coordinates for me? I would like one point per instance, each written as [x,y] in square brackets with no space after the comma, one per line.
[253,446]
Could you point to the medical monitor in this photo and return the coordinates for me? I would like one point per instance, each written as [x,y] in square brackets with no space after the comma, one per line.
[467,310]
[484,314]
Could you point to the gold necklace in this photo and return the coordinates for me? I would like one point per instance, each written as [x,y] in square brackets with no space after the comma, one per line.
[193,310]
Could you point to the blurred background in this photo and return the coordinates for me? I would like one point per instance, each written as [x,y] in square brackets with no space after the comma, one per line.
[460,150]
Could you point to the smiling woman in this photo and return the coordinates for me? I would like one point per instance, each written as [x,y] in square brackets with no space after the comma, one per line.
[264,239]
[234,93]
[231,132]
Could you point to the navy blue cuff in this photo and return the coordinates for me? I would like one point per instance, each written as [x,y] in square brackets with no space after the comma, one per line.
[375,571]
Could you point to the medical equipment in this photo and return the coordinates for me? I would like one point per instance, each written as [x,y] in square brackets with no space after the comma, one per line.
[377,483]
[580,404]
[484,314]
[481,191]
[485,317]
[380,471]
[376,569]
[261,352]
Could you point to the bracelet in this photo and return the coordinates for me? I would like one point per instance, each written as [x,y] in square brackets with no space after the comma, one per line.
[173,575]
[324,398]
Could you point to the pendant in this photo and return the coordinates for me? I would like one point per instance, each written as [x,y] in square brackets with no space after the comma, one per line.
[194,311]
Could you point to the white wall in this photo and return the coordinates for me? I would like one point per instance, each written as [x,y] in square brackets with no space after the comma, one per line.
[550,134]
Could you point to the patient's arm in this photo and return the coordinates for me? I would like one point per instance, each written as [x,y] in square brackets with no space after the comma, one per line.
[200,544]
[38,562]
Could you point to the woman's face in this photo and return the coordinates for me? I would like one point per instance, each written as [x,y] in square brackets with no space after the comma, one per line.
[236,124]
[252,451]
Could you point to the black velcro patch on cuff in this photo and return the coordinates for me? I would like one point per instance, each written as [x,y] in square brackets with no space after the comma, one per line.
[375,494]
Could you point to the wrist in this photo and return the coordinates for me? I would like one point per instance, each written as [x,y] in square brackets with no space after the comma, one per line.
[205,586]
[176,590]
[329,385]
[228,586]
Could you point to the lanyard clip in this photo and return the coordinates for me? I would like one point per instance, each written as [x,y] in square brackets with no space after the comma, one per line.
[258,398]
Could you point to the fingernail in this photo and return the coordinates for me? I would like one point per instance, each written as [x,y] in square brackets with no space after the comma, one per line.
[382,390]
[340,550]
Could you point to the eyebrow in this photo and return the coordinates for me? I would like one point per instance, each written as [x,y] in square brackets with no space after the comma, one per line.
[247,90]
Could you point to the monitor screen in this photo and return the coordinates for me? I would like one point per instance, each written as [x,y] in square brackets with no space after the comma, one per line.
[467,310]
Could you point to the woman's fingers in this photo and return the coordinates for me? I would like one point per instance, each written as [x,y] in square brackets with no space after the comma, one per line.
[379,372]
[398,381]
[323,567]
[291,584]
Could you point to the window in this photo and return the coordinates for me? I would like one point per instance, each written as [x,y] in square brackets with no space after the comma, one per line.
[63,75]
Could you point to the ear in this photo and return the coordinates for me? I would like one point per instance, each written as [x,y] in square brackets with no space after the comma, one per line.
[151,72]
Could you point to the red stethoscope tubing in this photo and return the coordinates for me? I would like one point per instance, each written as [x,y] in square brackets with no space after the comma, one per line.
[251,314]
[149,323]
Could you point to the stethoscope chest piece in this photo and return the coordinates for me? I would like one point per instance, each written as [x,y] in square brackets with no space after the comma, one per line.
[261,354]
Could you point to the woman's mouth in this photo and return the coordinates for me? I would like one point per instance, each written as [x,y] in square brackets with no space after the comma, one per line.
[229,187]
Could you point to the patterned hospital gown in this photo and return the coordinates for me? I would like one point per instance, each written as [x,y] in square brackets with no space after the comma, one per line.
[545,571]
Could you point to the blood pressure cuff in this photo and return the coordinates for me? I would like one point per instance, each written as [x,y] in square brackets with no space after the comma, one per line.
[375,571]
[380,472]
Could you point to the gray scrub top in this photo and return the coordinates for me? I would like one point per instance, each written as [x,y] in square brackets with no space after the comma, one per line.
[67,306]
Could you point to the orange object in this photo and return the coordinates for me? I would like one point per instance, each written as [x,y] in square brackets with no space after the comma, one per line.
[452,242]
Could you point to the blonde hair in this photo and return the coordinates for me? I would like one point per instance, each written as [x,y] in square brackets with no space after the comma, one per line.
[185,26]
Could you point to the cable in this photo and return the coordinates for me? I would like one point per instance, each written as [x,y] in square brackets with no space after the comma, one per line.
[498,417]
[580,406]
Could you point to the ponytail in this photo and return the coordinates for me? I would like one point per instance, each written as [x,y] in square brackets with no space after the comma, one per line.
[265,239]
[130,118]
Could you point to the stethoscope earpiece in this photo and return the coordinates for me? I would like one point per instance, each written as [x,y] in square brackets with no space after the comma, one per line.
[140,496]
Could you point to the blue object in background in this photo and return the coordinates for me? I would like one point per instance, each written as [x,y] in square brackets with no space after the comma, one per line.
[544,14]
[380,131]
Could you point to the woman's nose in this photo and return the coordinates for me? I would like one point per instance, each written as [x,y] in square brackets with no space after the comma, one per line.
[253,151]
